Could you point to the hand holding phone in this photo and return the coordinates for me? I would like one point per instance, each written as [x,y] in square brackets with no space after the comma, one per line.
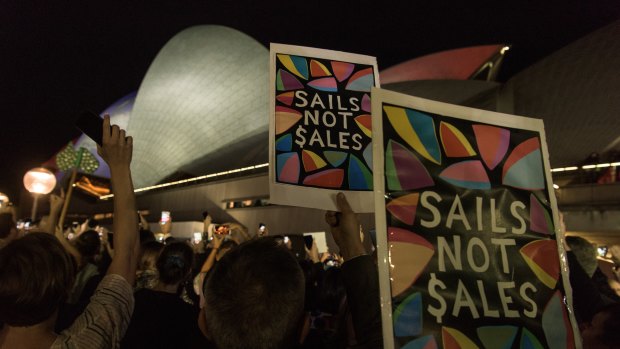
[91,125]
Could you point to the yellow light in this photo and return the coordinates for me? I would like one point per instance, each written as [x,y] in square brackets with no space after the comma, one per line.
[193,179]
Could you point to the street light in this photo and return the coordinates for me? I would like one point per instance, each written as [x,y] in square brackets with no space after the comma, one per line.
[39,181]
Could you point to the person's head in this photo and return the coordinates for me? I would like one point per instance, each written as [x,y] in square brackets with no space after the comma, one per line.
[146,236]
[332,292]
[255,294]
[149,252]
[174,263]
[224,248]
[89,245]
[585,252]
[603,330]
[36,275]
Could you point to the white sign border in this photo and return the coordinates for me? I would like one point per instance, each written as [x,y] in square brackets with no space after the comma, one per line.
[379,97]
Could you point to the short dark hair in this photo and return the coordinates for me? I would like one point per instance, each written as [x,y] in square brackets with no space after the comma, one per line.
[36,275]
[88,244]
[255,297]
[174,263]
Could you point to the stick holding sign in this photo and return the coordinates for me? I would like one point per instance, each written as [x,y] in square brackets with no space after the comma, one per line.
[320,134]
[466,229]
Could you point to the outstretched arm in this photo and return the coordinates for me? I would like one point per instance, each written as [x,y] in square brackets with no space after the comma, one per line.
[117,151]
[359,274]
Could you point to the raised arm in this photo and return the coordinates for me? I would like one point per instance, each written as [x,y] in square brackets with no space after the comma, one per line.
[116,151]
[359,274]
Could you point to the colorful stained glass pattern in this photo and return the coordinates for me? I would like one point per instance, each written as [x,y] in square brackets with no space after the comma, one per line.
[324,84]
[540,220]
[497,337]
[326,179]
[318,69]
[285,81]
[342,70]
[364,122]
[403,170]
[417,129]
[426,342]
[403,208]
[492,143]
[467,174]
[286,97]
[529,341]
[443,178]
[362,81]
[296,65]
[558,336]
[410,255]
[455,339]
[454,142]
[322,113]
[523,168]
[542,258]
[288,168]
[286,118]
[366,103]
[360,176]
[335,158]
[408,316]
[312,161]
[284,143]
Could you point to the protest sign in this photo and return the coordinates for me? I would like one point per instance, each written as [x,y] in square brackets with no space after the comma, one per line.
[466,229]
[320,130]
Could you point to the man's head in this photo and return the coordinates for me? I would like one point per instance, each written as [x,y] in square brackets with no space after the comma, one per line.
[255,297]
[36,275]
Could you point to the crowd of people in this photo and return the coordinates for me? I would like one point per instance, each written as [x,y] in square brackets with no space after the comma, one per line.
[238,290]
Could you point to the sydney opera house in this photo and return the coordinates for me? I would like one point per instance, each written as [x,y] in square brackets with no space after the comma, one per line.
[200,124]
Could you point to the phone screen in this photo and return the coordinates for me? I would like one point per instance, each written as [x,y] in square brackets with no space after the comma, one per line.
[308,241]
[92,126]
[165,217]
[602,251]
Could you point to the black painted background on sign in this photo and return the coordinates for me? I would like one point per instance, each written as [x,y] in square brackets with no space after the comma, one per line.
[519,270]
[352,126]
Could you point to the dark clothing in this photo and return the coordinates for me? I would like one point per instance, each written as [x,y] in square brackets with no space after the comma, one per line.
[587,300]
[162,320]
[361,280]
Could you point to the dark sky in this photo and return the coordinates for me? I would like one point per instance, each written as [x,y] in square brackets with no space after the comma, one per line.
[57,60]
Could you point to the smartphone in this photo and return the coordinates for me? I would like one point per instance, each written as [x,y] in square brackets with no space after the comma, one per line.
[602,251]
[286,239]
[91,125]
[308,241]
[165,217]
[197,238]
[261,227]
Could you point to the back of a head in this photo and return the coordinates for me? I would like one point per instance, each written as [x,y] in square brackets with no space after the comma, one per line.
[36,275]
[585,252]
[174,263]
[255,297]
[149,252]
[88,244]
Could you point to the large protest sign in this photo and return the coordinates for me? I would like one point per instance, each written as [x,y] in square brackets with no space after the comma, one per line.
[320,129]
[466,217]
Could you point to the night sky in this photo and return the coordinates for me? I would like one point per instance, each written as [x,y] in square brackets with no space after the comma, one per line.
[57,60]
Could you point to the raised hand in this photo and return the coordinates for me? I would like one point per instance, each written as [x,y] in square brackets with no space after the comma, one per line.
[344,227]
